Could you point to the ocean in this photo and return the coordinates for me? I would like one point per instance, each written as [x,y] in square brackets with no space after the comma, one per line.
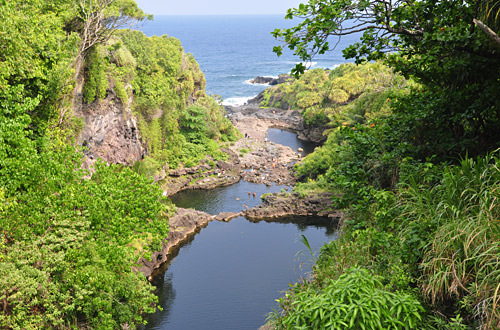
[231,50]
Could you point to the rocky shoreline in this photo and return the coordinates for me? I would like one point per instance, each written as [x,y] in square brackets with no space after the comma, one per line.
[252,158]
[208,174]
[250,117]
[183,225]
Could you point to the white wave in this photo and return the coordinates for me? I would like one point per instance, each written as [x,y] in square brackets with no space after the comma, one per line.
[249,81]
[236,101]
[308,64]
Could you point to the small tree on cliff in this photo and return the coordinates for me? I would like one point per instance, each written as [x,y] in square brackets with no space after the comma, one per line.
[96,20]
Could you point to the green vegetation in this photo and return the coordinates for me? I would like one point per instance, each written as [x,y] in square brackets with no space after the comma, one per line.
[244,151]
[70,242]
[177,120]
[322,95]
[96,82]
[356,300]
[414,162]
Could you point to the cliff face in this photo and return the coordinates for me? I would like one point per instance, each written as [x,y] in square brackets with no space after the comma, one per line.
[110,132]
[171,112]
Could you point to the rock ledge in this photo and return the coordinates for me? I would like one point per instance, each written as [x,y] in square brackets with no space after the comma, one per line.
[183,225]
[279,205]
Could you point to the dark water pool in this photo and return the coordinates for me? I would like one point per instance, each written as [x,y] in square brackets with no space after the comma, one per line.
[224,199]
[287,138]
[230,274]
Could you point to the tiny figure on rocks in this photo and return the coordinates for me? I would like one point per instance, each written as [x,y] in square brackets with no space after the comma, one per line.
[254,194]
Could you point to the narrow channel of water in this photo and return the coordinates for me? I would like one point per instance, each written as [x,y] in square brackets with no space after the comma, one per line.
[230,274]
[290,139]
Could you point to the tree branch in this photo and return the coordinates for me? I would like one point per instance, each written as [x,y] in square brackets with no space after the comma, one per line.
[489,32]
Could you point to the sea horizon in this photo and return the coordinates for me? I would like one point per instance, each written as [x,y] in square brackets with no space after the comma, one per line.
[233,49]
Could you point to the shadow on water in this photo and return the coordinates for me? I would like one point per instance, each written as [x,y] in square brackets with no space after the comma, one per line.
[304,222]
[165,290]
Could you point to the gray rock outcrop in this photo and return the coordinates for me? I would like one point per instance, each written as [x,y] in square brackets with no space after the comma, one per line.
[110,132]
[282,78]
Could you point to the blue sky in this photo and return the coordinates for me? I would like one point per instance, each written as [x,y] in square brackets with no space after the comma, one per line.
[216,7]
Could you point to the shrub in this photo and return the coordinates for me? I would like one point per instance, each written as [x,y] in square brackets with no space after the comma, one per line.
[96,81]
[356,300]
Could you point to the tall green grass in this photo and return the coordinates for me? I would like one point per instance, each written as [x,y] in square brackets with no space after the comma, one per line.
[436,237]
[462,261]
[450,232]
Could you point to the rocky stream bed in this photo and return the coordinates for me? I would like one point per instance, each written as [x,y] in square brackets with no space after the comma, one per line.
[252,159]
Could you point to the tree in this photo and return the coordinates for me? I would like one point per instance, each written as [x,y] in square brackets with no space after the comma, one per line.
[387,26]
[490,13]
[436,42]
[96,20]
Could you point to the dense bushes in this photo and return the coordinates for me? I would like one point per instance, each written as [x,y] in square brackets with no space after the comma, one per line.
[356,300]
[422,227]
[434,235]
[68,243]
[321,95]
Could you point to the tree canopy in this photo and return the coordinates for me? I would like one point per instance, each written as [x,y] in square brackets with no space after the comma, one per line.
[442,44]
[407,27]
